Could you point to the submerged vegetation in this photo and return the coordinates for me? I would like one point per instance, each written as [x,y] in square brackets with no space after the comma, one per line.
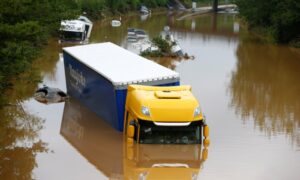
[163,48]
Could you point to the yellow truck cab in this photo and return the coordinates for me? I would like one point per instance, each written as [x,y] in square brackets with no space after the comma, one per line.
[163,115]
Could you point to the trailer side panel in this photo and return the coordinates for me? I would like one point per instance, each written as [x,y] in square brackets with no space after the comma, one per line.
[90,88]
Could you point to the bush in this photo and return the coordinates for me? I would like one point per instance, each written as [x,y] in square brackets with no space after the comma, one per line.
[279,18]
[162,44]
[24,28]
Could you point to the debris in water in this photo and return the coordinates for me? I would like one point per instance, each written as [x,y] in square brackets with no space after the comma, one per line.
[115,23]
[49,95]
[164,45]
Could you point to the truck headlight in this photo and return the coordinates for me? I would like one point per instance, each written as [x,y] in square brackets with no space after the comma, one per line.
[197,112]
[143,175]
[194,176]
[145,111]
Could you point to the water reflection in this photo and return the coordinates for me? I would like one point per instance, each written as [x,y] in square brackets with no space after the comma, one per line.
[104,147]
[93,138]
[265,86]
[218,27]
[209,24]
[144,17]
[19,142]
[19,130]
[225,26]
[143,161]
[47,62]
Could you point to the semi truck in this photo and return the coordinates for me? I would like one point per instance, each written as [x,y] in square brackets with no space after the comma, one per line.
[134,94]
[109,152]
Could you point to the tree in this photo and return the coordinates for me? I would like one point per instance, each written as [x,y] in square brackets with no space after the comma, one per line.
[25,26]
[278,19]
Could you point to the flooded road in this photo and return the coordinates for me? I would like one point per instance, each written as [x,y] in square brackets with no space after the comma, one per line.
[249,92]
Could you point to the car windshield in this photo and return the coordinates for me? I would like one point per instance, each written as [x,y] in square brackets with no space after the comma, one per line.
[153,134]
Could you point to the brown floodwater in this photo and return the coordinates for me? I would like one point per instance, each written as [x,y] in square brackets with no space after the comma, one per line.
[248,90]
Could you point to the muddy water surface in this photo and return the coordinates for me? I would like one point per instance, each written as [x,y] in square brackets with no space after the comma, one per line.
[248,91]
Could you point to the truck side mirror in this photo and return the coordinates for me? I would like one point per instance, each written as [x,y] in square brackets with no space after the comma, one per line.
[130,131]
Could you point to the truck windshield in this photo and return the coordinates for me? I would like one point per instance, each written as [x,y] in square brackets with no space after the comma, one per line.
[152,134]
[68,35]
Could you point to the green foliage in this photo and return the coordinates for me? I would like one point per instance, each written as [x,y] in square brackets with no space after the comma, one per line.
[126,5]
[25,26]
[154,3]
[95,8]
[188,3]
[134,4]
[164,48]
[92,7]
[151,54]
[118,5]
[279,19]
[162,44]
[16,57]
[30,31]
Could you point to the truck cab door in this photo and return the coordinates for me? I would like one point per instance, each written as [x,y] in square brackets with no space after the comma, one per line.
[130,127]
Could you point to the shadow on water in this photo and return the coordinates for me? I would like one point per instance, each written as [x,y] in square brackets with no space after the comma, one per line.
[105,149]
[265,86]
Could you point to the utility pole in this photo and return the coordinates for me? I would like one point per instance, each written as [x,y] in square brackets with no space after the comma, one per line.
[215,5]
[194,5]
